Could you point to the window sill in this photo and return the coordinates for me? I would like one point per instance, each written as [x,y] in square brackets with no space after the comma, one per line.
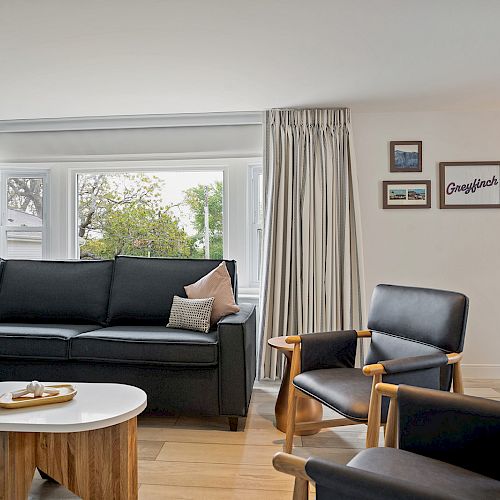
[249,294]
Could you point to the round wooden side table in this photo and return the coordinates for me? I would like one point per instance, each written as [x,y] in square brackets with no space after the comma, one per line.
[308,409]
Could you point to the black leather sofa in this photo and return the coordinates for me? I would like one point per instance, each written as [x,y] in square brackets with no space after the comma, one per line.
[104,321]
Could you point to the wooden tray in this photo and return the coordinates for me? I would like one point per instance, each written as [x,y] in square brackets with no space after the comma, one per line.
[66,393]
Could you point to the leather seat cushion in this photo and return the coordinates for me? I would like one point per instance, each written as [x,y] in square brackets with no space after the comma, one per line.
[345,390]
[26,340]
[147,344]
[436,475]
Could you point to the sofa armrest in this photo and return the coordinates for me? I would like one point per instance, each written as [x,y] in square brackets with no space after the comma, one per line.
[457,429]
[340,481]
[328,350]
[237,360]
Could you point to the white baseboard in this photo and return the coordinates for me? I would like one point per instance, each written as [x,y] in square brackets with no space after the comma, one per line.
[481,371]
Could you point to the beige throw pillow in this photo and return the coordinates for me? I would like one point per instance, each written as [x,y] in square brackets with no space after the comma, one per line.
[191,314]
[216,284]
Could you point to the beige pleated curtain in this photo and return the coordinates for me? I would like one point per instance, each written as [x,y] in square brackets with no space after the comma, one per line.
[312,265]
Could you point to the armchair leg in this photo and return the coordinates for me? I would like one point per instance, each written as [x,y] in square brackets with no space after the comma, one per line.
[458,384]
[391,425]
[300,489]
[292,401]
[290,421]
[374,414]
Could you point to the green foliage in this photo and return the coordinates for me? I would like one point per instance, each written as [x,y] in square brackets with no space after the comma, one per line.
[139,230]
[123,214]
[195,199]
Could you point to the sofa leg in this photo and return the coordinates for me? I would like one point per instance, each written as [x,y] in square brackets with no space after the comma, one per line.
[233,424]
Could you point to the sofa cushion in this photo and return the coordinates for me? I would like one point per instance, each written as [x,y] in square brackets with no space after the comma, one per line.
[191,314]
[143,288]
[48,341]
[147,344]
[72,292]
[216,284]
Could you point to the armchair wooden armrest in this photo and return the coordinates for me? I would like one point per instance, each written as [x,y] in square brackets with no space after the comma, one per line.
[295,339]
[454,358]
[378,368]
[294,466]
[376,371]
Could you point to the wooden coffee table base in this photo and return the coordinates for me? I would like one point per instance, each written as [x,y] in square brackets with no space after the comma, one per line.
[100,463]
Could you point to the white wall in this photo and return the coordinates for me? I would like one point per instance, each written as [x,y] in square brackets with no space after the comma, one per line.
[451,249]
[196,141]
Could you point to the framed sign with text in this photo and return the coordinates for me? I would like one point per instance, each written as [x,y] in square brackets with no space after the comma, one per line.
[472,184]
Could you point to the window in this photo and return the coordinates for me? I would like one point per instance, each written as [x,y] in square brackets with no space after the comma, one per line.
[170,213]
[256,188]
[24,219]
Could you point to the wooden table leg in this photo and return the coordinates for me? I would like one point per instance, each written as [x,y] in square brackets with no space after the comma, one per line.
[308,409]
[94,464]
[17,464]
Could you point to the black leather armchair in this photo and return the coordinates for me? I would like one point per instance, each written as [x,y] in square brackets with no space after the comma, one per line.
[446,445]
[416,335]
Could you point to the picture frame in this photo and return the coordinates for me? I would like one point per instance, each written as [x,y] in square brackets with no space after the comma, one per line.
[469,184]
[406,194]
[405,156]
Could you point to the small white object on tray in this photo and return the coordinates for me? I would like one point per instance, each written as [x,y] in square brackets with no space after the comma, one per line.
[35,388]
[37,394]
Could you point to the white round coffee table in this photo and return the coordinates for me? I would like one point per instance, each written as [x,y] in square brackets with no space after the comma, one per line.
[87,444]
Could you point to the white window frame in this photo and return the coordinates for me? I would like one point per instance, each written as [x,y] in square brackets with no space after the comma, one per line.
[131,166]
[254,225]
[44,229]
[60,236]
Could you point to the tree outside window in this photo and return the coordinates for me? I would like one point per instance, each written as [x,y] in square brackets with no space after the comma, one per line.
[165,214]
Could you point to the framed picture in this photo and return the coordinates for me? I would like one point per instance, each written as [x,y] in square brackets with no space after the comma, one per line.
[407,194]
[406,156]
[472,184]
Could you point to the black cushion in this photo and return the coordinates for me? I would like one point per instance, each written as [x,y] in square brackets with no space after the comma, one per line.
[335,481]
[461,430]
[49,341]
[384,347]
[72,292]
[143,288]
[147,344]
[345,390]
[408,364]
[434,317]
[328,350]
[437,476]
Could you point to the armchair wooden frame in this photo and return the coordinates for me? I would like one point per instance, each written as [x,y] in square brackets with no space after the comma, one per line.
[376,371]
[296,466]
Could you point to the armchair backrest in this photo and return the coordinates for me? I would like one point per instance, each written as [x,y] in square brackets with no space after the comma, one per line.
[409,321]
[460,430]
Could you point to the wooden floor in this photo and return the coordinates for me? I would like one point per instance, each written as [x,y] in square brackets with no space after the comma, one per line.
[193,458]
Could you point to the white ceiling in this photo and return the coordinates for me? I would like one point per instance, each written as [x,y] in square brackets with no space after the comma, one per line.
[114,57]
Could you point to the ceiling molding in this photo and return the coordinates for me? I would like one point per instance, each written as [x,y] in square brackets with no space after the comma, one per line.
[131,122]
